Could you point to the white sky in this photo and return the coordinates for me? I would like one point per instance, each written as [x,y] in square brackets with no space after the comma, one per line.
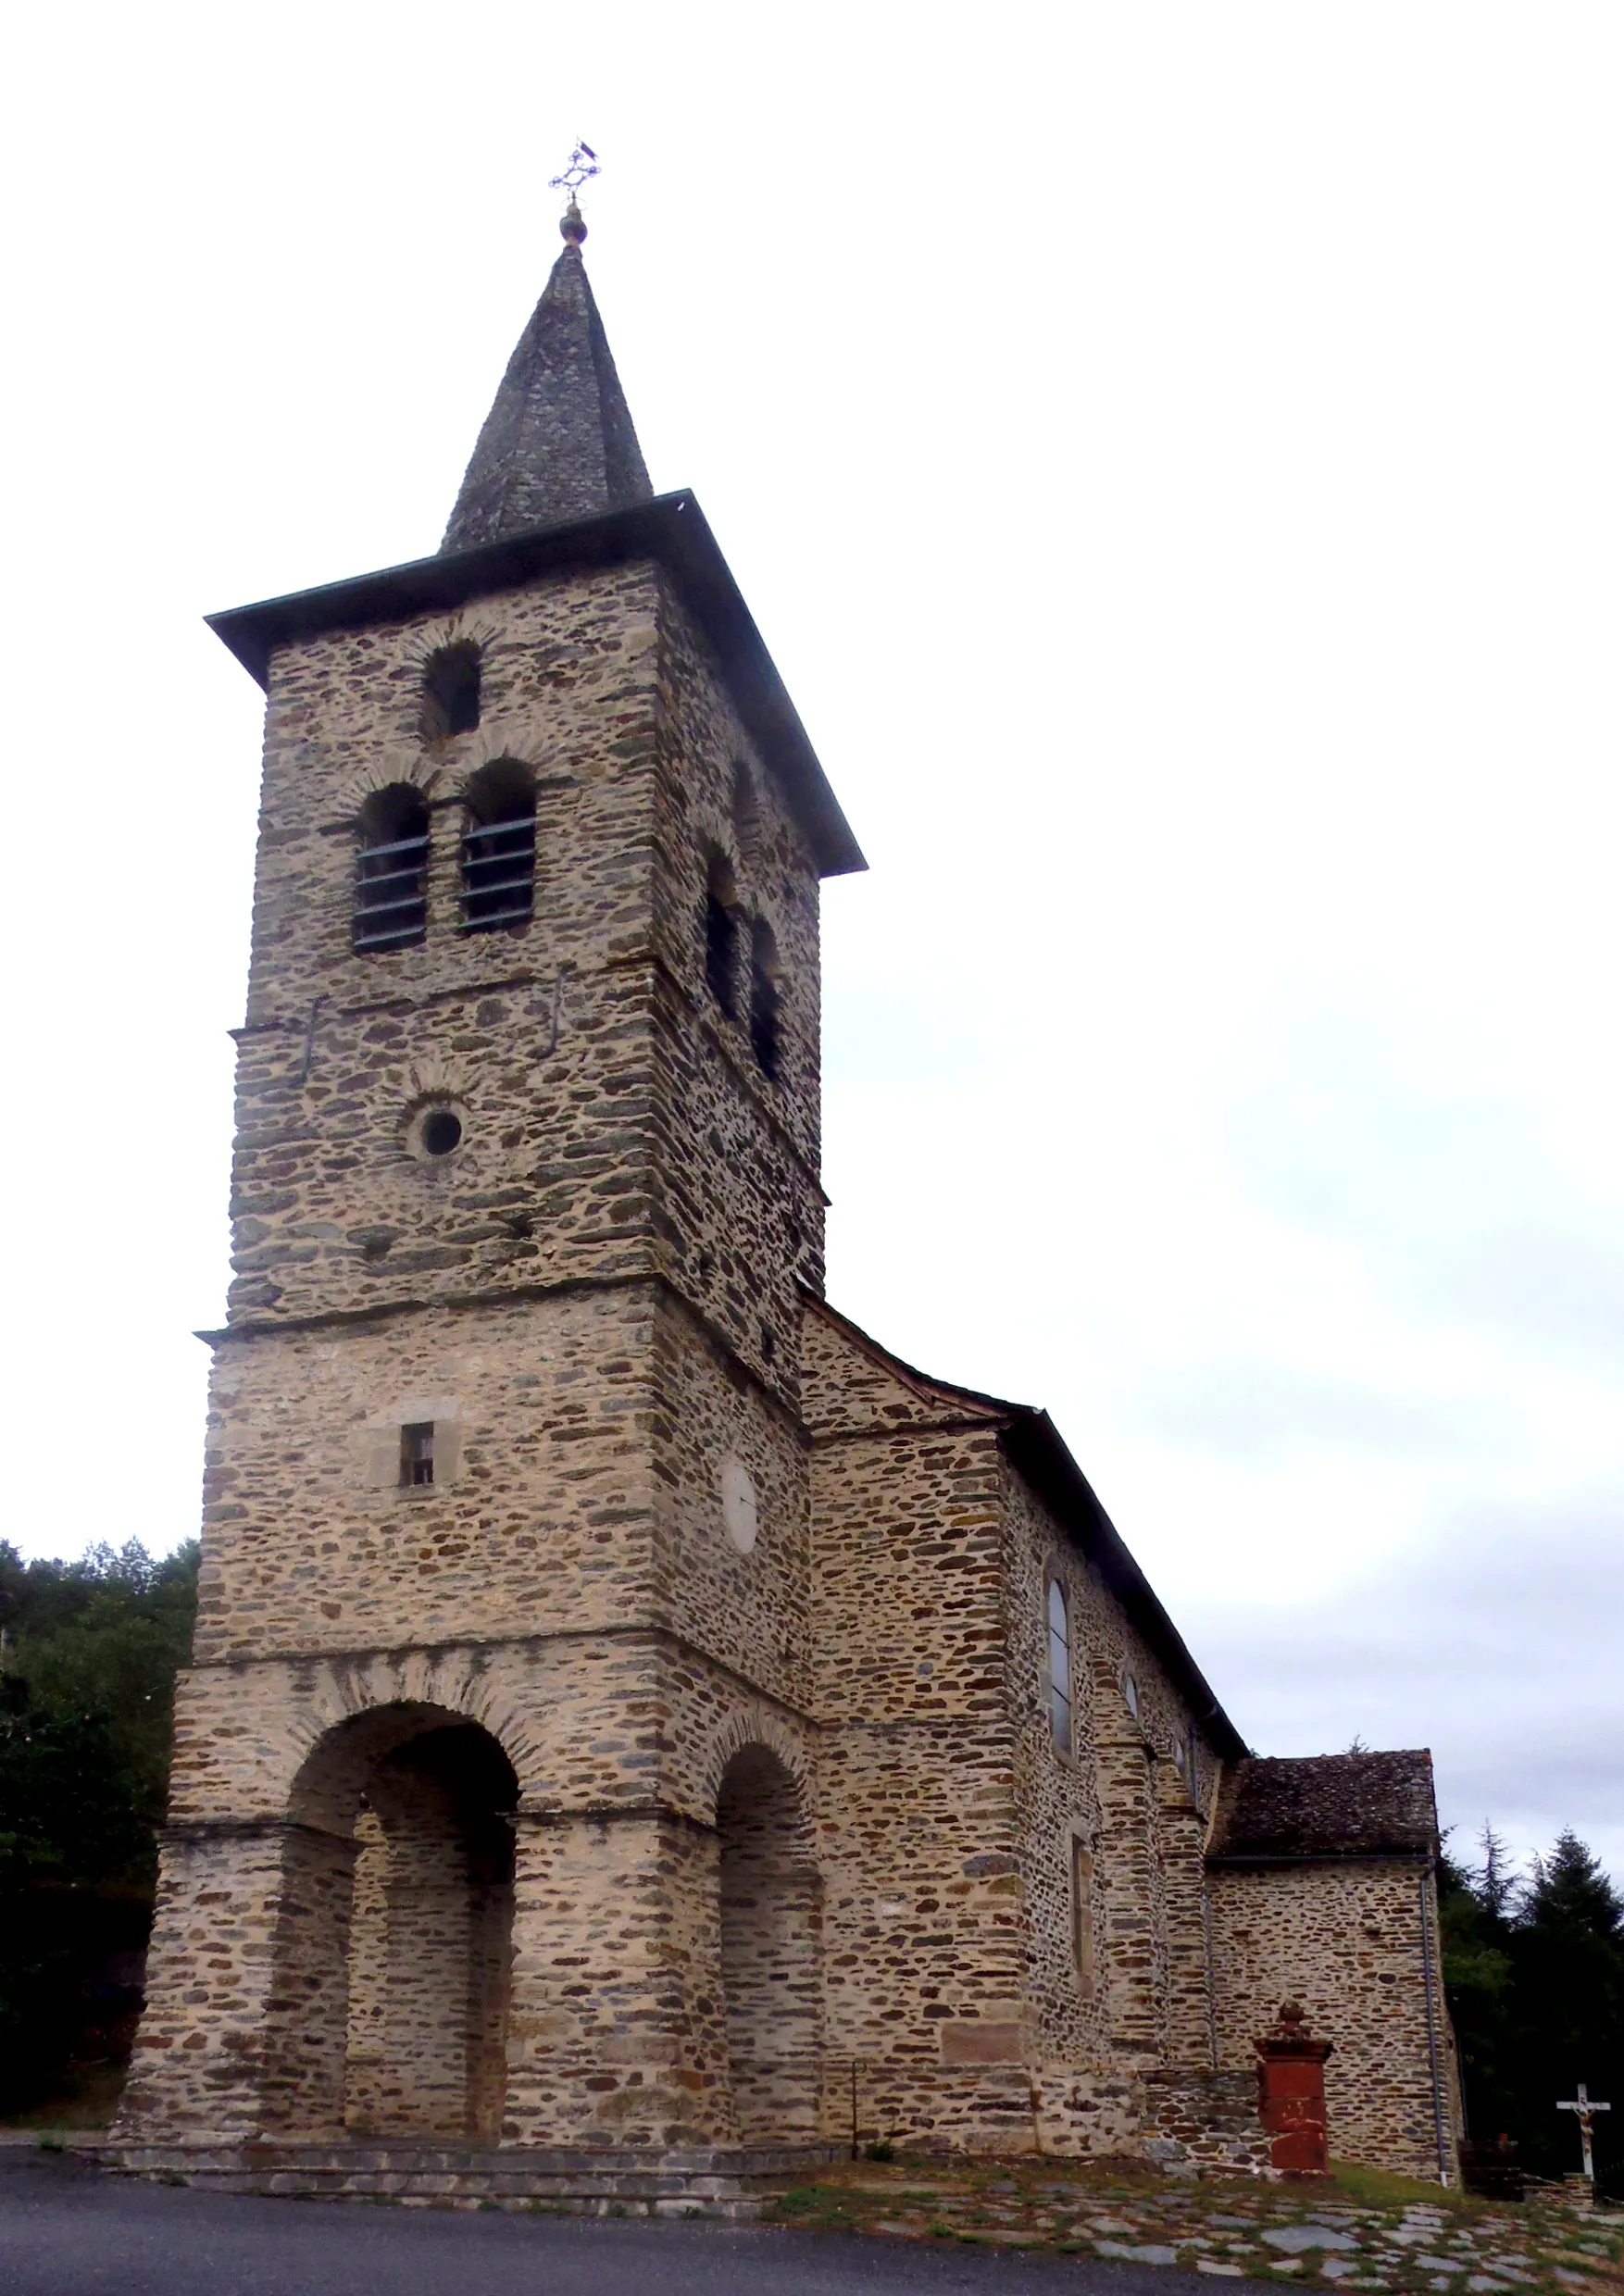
[1173,453]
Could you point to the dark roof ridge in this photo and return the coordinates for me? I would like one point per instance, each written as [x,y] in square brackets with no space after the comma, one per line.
[671,531]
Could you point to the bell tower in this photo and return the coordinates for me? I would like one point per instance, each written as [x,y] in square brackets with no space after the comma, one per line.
[489,1818]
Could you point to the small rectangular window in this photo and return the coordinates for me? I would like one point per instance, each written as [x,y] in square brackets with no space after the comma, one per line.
[416,1453]
[1083,1915]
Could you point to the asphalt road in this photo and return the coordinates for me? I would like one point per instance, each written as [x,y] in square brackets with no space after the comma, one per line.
[70,2230]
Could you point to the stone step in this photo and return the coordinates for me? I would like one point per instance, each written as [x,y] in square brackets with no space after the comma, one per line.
[705,2181]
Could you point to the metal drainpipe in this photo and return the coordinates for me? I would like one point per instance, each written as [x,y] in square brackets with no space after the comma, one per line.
[1211,2002]
[1426,1876]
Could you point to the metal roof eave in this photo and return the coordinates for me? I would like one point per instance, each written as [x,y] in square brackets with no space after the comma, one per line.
[671,529]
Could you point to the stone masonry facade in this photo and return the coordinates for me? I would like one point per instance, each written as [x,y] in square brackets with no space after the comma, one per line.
[630,1710]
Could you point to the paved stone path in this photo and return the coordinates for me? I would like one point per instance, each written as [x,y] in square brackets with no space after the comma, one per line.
[1387,2236]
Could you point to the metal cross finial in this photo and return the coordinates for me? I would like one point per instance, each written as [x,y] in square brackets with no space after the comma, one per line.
[582,167]
[1584,2104]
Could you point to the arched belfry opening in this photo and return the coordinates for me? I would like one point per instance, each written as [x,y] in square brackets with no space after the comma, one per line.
[771,1932]
[394,1944]
[499,847]
[391,869]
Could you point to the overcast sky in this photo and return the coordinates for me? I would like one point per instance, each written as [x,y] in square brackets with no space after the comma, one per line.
[1173,452]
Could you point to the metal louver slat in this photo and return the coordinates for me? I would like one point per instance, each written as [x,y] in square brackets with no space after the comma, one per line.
[378,940]
[387,908]
[402,844]
[489,919]
[494,884]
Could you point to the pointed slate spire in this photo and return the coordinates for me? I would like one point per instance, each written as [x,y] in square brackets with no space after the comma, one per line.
[557,443]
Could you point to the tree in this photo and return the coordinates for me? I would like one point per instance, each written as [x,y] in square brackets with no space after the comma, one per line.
[89,1651]
[1568,1964]
[1473,1919]
[1534,1970]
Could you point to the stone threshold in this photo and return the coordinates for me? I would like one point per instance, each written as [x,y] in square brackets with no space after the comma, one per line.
[704,2181]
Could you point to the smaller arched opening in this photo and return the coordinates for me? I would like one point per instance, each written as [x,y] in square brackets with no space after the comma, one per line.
[766,975]
[451,691]
[721,935]
[499,847]
[394,1940]
[771,1924]
[392,869]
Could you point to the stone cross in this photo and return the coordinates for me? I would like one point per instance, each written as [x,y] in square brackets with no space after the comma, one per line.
[1585,2106]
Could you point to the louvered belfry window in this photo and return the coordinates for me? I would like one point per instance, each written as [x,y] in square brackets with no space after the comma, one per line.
[499,849]
[392,871]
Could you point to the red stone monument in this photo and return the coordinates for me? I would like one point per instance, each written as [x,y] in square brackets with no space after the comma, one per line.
[1290,2094]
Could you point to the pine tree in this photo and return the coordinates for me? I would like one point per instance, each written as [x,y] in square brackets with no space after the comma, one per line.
[1496,1884]
[1477,1979]
[1567,1944]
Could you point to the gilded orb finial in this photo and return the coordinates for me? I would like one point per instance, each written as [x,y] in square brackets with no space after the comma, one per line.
[582,167]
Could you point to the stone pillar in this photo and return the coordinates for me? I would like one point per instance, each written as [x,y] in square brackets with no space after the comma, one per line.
[1128,1959]
[1290,2095]
[615,2032]
[410,1966]
[1182,1832]
[307,2012]
[244,2020]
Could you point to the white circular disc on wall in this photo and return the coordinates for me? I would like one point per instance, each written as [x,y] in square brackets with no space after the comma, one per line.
[738,1504]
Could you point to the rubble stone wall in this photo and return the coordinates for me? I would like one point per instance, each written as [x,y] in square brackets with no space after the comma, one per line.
[951,1814]
[616,1120]
[1119,1790]
[1345,1942]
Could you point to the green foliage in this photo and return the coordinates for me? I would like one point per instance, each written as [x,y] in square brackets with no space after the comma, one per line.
[88,1656]
[1473,1919]
[1534,1971]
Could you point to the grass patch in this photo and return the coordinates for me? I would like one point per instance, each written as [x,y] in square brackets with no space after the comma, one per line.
[823,2206]
[1382,2187]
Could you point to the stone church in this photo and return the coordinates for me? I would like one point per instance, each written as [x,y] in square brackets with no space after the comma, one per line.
[640,1732]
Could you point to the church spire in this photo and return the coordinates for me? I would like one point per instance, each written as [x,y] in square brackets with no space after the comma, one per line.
[557,443]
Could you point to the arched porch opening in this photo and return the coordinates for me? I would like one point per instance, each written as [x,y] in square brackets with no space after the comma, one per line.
[394,1940]
[771,1929]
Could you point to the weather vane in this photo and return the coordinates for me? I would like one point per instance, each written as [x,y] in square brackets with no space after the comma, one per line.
[582,165]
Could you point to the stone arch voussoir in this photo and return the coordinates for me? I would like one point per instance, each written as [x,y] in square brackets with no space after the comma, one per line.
[388,769]
[756,1724]
[510,739]
[453,1684]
